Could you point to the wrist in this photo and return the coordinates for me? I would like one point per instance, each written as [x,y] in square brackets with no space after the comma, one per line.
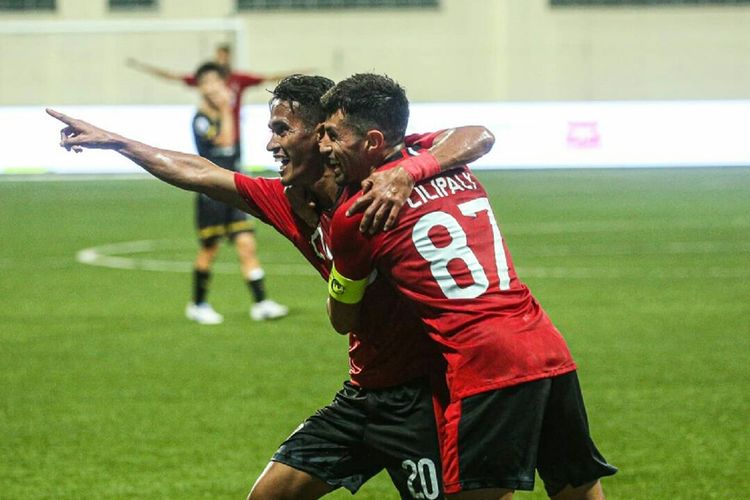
[123,145]
[421,166]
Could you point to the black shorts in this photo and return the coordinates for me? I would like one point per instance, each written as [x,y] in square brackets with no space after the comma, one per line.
[216,219]
[364,431]
[496,439]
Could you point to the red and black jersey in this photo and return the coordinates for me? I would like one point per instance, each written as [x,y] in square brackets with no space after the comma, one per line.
[237,83]
[205,131]
[266,200]
[390,347]
[447,256]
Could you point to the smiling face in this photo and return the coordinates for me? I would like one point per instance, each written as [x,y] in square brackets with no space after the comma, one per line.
[294,144]
[344,150]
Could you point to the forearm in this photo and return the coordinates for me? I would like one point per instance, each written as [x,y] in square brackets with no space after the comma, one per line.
[225,136]
[275,77]
[452,148]
[387,191]
[186,171]
[183,170]
[158,72]
[462,145]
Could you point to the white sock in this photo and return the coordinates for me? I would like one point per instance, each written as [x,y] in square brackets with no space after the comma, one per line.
[256,274]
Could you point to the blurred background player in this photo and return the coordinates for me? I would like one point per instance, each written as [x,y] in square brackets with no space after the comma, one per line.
[237,81]
[214,131]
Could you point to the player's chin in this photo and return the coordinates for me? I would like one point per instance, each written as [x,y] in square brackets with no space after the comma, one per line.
[290,180]
[285,174]
[340,180]
[339,177]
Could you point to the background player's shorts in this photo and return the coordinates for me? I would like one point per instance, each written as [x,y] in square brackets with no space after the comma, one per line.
[215,220]
[365,430]
[496,439]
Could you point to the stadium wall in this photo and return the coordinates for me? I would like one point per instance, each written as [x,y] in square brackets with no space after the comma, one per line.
[478,50]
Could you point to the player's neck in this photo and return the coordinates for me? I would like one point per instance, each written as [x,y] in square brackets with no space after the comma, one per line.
[325,190]
[392,153]
[209,111]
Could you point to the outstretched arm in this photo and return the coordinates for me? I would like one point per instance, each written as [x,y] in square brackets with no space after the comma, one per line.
[183,170]
[275,77]
[386,192]
[153,70]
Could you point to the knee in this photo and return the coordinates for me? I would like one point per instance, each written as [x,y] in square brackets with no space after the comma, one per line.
[261,491]
[267,490]
[208,251]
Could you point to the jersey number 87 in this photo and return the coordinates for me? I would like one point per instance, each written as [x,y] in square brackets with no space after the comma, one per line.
[458,248]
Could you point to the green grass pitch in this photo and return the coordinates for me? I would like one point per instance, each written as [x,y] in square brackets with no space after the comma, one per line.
[106,391]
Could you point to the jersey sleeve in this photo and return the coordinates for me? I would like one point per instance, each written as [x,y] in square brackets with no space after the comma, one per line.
[422,141]
[190,80]
[352,251]
[245,80]
[266,200]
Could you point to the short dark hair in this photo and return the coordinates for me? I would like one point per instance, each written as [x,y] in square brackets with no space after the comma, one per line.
[209,67]
[370,101]
[305,90]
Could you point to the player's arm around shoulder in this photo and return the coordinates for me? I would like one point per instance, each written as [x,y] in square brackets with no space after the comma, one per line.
[387,191]
[351,272]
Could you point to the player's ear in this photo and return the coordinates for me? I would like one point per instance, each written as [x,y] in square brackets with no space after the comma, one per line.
[374,140]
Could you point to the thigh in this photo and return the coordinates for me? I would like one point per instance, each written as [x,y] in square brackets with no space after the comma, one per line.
[282,481]
[491,439]
[567,454]
[329,445]
[210,219]
[237,222]
[402,428]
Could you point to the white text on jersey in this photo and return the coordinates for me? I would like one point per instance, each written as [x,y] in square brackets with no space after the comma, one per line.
[440,187]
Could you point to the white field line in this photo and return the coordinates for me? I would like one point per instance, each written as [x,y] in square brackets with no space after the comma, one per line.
[124,255]
[120,256]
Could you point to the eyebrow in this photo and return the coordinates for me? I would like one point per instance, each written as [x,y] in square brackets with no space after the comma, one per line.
[274,122]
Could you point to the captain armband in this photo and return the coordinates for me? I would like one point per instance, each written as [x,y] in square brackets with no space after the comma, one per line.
[421,166]
[345,290]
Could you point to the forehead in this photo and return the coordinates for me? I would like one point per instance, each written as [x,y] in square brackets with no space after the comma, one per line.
[285,111]
[209,77]
[337,121]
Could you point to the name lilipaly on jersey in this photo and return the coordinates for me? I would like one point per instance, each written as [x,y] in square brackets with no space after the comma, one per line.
[440,187]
